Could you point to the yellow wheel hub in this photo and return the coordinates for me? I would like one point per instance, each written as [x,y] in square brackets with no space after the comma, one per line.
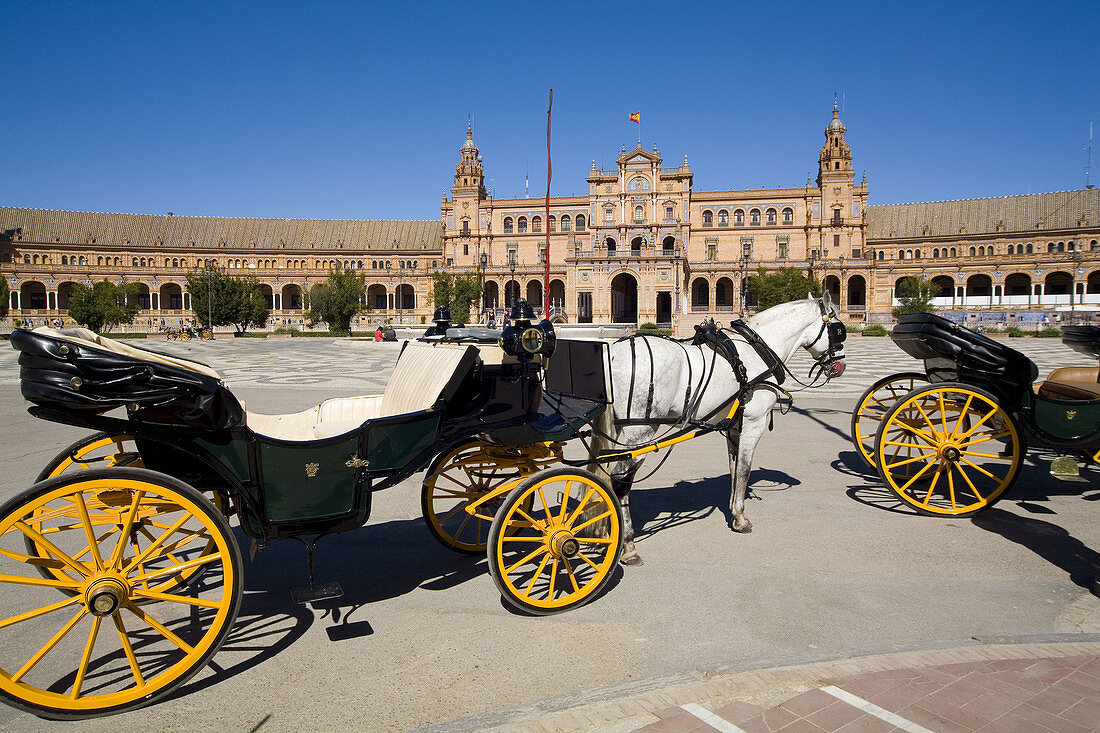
[104,595]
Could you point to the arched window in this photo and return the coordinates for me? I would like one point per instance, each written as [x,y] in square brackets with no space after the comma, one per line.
[754,217]
[953,252]
[916,254]
[553,224]
[565,222]
[739,218]
[1012,249]
[507,225]
[27,260]
[1061,246]
[580,222]
[723,218]
[708,218]
[881,255]
[1030,250]
[99,260]
[64,260]
[770,214]
[973,251]
[1050,246]
[935,254]
[788,215]
[521,225]
[901,254]
[536,223]
[639,215]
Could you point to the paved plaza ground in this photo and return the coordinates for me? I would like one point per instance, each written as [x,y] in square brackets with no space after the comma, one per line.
[837,588]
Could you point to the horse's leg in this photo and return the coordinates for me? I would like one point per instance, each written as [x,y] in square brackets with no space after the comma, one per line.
[622,478]
[742,445]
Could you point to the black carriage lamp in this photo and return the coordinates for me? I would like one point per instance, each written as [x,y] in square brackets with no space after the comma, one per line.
[523,339]
[442,321]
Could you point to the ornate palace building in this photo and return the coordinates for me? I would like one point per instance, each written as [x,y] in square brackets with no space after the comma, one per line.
[642,245]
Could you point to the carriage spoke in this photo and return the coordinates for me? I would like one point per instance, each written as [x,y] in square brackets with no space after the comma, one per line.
[932,485]
[916,476]
[89,532]
[52,549]
[159,627]
[545,507]
[177,568]
[173,598]
[584,557]
[592,521]
[128,648]
[962,413]
[579,509]
[553,579]
[124,531]
[969,483]
[527,558]
[535,576]
[979,469]
[54,641]
[87,658]
[978,424]
[907,461]
[572,578]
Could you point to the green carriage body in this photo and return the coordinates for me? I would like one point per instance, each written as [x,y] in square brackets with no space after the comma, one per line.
[954,353]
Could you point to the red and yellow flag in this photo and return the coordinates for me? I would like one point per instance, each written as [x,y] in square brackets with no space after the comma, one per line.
[636,117]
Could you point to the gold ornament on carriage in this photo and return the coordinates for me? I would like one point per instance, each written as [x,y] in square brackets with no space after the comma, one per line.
[312,469]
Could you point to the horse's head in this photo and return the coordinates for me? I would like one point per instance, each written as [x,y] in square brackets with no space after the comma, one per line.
[825,339]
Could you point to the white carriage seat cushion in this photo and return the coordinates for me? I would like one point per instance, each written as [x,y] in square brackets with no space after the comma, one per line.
[424,373]
[94,340]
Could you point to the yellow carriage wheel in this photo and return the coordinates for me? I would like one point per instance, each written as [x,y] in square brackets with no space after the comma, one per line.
[102,450]
[464,474]
[555,540]
[454,479]
[948,449]
[185,336]
[98,450]
[873,406]
[115,640]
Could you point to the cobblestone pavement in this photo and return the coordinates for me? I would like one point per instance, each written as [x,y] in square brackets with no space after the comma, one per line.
[1035,683]
[360,366]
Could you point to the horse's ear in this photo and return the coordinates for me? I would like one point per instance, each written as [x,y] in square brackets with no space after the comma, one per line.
[809,295]
[827,300]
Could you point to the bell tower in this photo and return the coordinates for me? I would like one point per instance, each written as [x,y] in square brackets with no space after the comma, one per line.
[469,176]
[835,160]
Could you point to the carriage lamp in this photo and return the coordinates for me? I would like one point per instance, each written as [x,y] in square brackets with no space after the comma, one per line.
[523,339]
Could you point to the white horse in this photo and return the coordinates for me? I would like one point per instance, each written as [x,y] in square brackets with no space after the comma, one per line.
[660,384]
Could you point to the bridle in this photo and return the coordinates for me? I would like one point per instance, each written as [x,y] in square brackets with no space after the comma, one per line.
[829,364]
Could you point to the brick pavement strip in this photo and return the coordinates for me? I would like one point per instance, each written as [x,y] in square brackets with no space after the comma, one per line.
[997,686]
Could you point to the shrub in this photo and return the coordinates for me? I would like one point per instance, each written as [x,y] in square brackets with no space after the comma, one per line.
[1049,333]
[287,329]
[1015,332]
[875,329]
[651,329]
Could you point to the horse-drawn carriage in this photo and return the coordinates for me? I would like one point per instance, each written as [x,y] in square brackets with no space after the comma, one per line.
[121,575]
[951,440]
[120,572]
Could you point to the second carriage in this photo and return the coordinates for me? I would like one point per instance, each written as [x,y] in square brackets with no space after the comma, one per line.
[951,439]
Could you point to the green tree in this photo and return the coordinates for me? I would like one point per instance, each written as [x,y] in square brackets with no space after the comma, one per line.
[104,305]
[781,286]
[915,295]
[456,292]
[219,299]
[337,300]
[5,289]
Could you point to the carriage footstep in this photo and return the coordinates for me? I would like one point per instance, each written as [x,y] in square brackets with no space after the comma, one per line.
[311,593]
[1064,468]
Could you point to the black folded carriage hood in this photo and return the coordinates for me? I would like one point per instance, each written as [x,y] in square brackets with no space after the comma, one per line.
[68,375]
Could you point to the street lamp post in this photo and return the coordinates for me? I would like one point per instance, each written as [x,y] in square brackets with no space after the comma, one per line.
[512,269]
[1075,273]
[484,260]
[744,268]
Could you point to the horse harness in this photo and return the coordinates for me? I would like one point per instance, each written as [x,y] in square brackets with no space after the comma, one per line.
[721,344]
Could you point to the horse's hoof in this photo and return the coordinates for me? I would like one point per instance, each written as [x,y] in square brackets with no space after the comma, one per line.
[633,560]
[745,528]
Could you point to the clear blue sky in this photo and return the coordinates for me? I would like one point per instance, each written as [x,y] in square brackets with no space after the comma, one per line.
[357,110]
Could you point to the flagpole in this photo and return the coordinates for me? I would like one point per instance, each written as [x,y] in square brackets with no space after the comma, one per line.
[546,283]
